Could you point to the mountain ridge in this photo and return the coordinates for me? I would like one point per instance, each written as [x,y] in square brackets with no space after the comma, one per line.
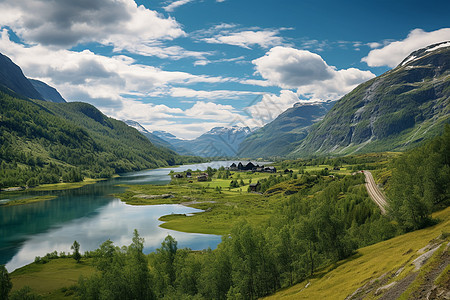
[392,112]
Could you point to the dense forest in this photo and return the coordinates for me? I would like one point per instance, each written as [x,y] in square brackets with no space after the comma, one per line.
[44,142]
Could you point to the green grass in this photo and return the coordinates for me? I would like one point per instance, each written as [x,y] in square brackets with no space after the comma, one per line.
[63,185]
[50,279]
[370,263]
[29,200]
[221,209]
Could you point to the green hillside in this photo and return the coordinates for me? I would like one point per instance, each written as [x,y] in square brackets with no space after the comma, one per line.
[394,111]
[283,134]
[44,142]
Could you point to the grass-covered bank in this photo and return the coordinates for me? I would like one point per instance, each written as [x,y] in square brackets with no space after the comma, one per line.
[18,199]
[374,266]
[53,279]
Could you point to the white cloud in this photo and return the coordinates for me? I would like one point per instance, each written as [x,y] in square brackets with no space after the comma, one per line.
[67,23]
[213,94]
[175,4]
[307,72]
[269,108]
[89,77]
[392,54]
[291,68]
[204,62]
[231,34]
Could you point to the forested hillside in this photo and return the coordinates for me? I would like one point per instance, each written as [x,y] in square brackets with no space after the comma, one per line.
[44,142]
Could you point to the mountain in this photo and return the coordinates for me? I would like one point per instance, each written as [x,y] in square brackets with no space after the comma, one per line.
[391,112]
[219,141]
[280,136]
[47,92]
[157,141]
[11,77]
[175,143]
[46,142]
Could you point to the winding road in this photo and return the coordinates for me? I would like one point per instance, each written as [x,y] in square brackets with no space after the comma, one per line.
[374,192]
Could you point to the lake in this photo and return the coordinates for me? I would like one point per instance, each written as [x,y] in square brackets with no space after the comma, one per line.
[91,216]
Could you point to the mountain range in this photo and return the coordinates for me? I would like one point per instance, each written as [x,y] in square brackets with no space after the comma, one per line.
[392,112]
[217,142]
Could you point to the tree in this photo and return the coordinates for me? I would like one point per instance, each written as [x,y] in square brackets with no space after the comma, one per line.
[76,251]
[137,267]
[5,283]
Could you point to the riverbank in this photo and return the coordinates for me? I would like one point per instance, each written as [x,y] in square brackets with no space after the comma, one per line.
[16,193]
[7,202]
[222,205]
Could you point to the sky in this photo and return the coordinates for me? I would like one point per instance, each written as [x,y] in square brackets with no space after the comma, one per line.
[186,66]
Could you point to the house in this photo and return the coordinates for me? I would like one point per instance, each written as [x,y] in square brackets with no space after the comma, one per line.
[254,187]
[202,177]
[249,166]
[270,169]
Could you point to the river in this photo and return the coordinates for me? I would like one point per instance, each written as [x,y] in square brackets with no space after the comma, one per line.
[91,216]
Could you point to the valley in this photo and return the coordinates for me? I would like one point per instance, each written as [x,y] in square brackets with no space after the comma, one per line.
[330,199]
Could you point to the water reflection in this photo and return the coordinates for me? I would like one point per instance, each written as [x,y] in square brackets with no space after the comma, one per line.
[91,215]
[115,221]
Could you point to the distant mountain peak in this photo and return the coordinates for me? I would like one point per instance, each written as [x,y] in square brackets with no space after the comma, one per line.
[136,125]
[229,130]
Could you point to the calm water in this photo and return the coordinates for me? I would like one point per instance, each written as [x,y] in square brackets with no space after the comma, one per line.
[91,215]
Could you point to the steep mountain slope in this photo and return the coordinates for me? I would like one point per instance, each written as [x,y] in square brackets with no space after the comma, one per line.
[45,142]
[394,111]
[47,92]
[11,77]
[219,141]
[157,141]
[283,134]
[175,143]
[42,141]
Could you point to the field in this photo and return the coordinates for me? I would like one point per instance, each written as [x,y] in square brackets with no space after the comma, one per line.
[53,279]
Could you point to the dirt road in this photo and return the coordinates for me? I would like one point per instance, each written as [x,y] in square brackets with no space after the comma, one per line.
[374,192]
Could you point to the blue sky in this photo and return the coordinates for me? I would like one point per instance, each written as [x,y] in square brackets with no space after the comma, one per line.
[186,66]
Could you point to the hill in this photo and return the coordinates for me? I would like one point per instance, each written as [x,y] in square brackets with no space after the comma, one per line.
[46,142]
[283,134]
[394,111]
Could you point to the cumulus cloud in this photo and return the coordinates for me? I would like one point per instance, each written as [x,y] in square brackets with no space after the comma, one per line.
[269,107]
[231,34]
[307,72]
[67,23]
[94,78]
[291,68]
[392,54]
